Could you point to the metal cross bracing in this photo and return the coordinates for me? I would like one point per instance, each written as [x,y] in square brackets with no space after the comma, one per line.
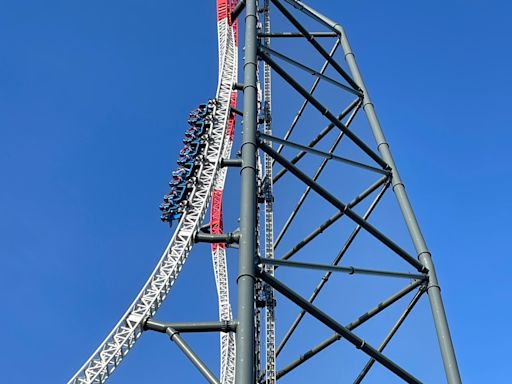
[309,171]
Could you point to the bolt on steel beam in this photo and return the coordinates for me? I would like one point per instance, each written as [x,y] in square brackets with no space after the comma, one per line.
[334,268]
[315,44]
[434,291]
[295,34]
[306,192]
[330,221]
[327,155]
[316,140]
[390,334]
[312,90]
[353,325]
[311,71]
[337,327]
[342,207]
[323,110]
[325,278]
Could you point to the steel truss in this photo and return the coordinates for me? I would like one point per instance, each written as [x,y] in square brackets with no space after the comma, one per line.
[245,339]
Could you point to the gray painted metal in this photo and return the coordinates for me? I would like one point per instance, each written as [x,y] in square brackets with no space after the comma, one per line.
[227,238]
[185,348]
[434,290]
[314,43]
[245,369]
[312,90]
[327,155]
[311,71]
[295,34]
[316,176]
[338,328]
[211,326]
[323,110]
[330,221]
[237,163]
[342,207]
[390,335]
[238,10]
[325,278]
[353,325]
[335,268]
[316,140]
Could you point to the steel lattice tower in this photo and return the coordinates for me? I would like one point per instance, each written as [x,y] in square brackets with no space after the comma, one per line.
[250,342]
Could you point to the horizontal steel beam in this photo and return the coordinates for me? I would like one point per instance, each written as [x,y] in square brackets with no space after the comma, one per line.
[353,325]
[342,207]
[238,87]
[322,109]
[236,163]
[312,90]
[354,104]
[211,326]
[330,221]
[326,155]
[315,44]
[226,238]
[336,268]
[325,278]
[296,34]
[311,71]
[337,327]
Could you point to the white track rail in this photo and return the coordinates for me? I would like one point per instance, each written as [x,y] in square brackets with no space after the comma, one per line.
[227,340]
[119,342]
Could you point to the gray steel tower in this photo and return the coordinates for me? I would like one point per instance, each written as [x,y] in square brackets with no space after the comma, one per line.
[278,162]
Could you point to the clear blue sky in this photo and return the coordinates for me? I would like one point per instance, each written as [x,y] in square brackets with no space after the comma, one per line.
[93,101]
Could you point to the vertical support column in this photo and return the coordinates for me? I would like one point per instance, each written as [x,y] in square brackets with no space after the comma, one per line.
[424,256]
[245,371]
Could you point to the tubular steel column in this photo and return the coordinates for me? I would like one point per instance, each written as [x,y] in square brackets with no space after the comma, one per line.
[424,256]
[245,372]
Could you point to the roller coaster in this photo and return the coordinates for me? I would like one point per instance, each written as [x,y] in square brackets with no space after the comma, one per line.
[197,186]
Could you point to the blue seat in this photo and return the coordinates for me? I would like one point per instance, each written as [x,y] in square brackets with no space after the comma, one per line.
[176,180]
[190,169]
[186,159]
[184,172]
[188,149]
[191,139]
[193,120]
[169,217]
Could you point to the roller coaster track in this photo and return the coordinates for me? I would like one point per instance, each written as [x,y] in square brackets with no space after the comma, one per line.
[210,182]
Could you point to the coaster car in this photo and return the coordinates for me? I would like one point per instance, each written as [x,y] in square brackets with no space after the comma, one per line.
[200,128]
[186,159]
[195,119]
[168,217]
[178,193]
[177,180]
[186,170]
[191,149]
[191,139]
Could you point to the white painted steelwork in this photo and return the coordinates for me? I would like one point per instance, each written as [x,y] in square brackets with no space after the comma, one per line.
[119,342]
